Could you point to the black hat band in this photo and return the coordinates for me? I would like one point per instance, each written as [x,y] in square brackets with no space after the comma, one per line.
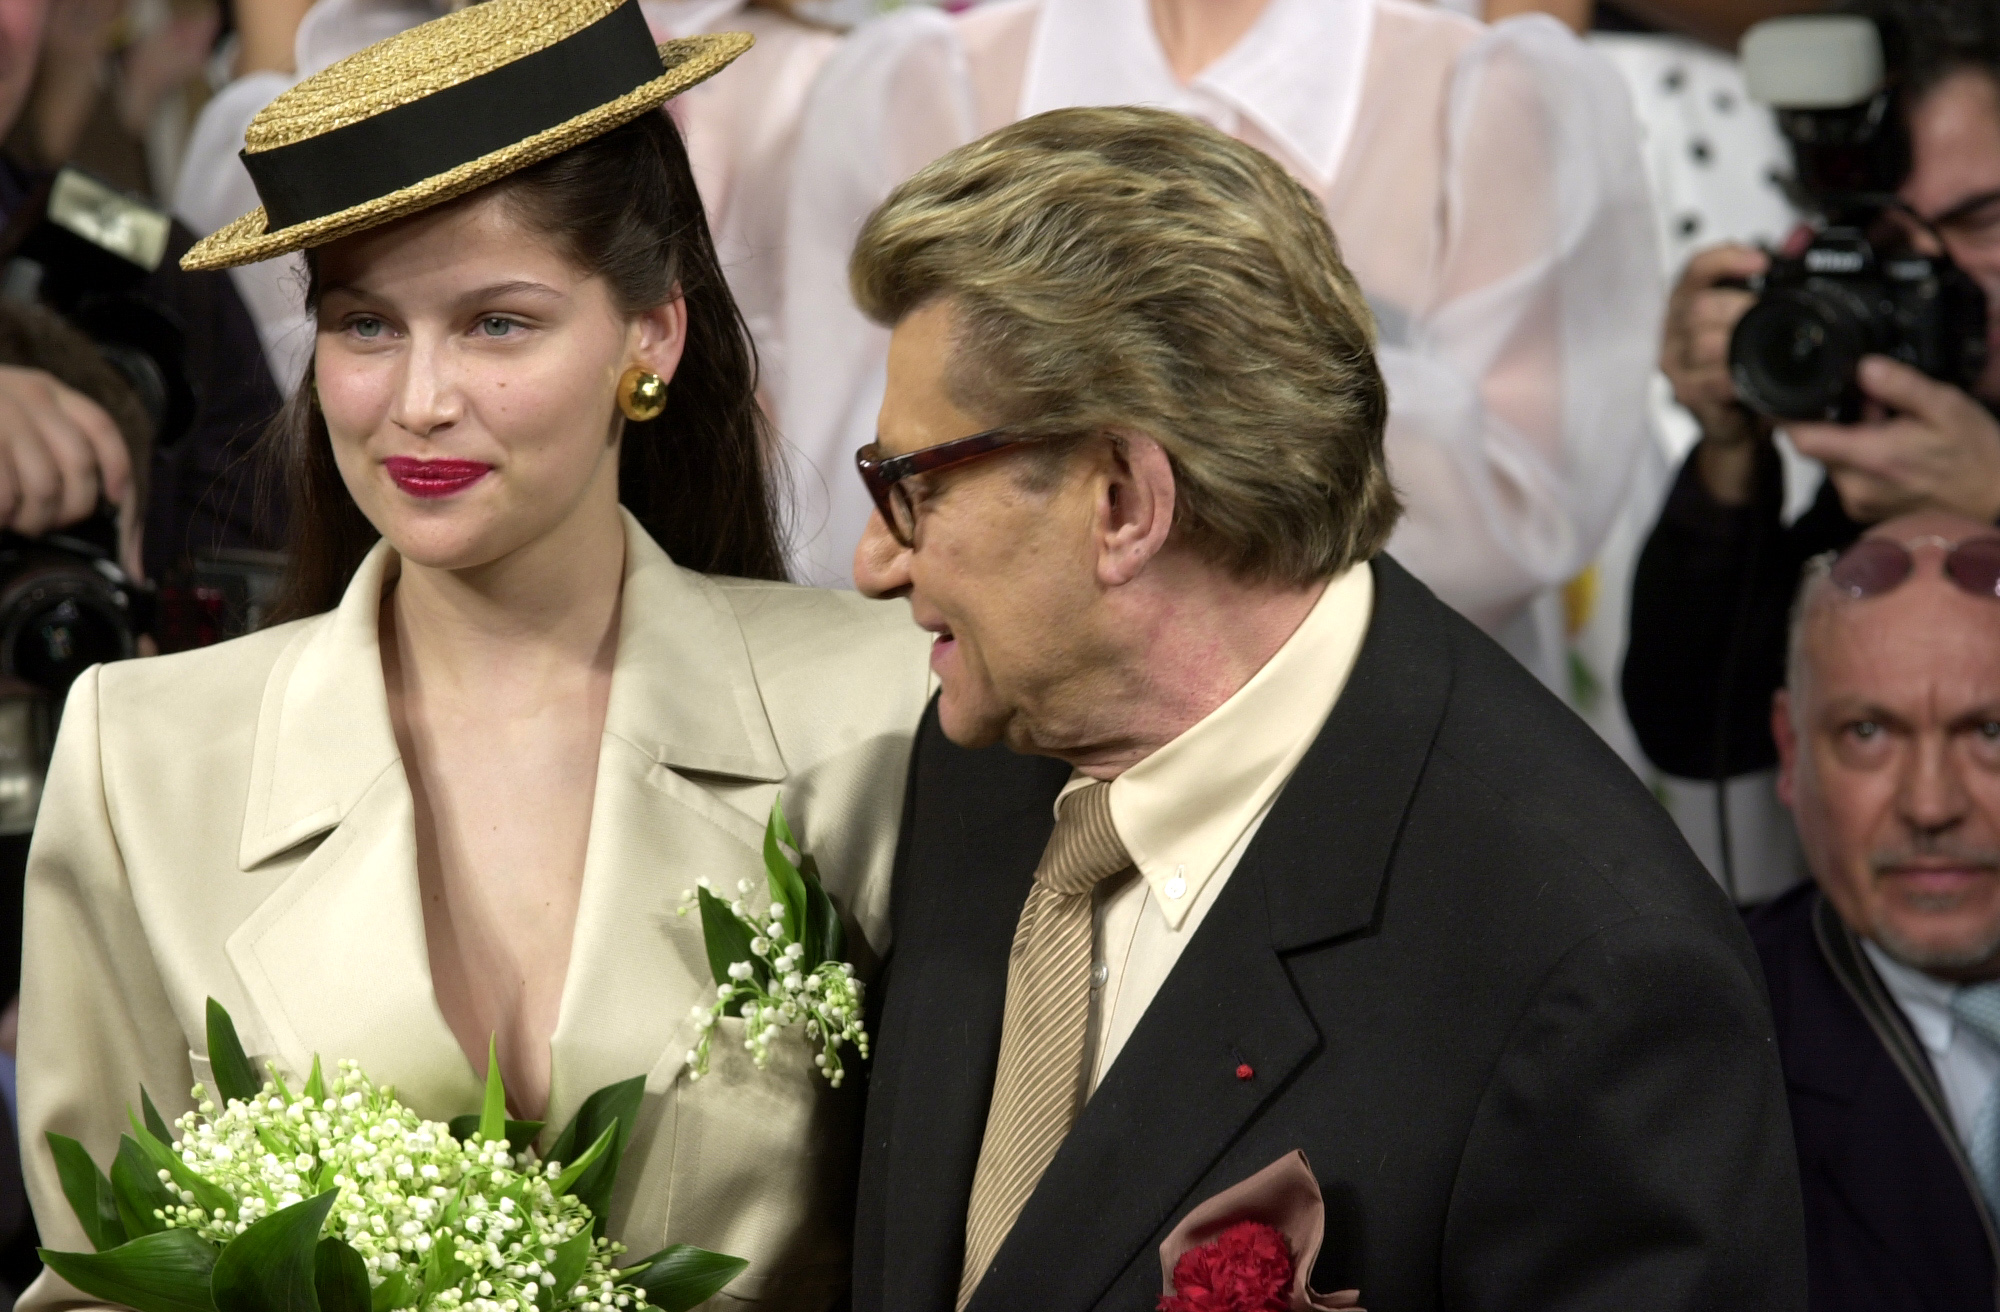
[404,146]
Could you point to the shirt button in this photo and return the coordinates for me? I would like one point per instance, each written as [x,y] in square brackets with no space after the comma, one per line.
[1099,972]
[1176,888]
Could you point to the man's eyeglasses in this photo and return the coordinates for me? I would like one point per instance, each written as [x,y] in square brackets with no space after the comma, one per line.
[884,475]
[1972,225]
[1874,566]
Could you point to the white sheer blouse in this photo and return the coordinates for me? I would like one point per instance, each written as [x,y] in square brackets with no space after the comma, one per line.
[1485,185]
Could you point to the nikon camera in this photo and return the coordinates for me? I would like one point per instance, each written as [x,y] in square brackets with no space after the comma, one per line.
[1853,288]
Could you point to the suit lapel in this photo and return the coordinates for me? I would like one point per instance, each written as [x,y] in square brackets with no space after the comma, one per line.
[1171,1105]
[981,823]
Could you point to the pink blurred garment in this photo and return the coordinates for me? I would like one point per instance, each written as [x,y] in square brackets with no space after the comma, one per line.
[1485,185]
[740,129]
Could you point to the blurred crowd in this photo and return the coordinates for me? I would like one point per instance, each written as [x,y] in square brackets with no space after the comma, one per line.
[1560,212]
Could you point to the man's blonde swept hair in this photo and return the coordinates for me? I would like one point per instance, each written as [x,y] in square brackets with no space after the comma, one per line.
[1131,269]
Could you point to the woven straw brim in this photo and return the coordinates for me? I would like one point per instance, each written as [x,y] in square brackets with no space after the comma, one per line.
[687,61]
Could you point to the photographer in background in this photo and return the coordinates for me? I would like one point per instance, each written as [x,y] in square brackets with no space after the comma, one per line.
[1714,584]
[60,452]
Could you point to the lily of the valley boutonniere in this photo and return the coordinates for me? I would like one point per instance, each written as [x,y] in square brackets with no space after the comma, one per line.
[779,967]
[1251,1248]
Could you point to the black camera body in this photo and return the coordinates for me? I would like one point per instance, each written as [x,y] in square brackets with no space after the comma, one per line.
[1794,354]
[1859,286]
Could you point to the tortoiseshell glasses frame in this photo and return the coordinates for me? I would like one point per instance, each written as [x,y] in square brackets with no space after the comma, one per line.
[884,475]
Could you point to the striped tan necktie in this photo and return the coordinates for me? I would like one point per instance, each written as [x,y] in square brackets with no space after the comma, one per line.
[1038,1089]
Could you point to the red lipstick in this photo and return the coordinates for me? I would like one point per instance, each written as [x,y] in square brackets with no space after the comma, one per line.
[434,478]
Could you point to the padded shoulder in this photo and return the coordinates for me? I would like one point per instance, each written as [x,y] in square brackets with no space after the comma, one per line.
[831,665]
[184,695]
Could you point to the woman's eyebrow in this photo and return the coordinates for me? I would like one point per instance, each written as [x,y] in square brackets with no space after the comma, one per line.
[515,287]
[492,291]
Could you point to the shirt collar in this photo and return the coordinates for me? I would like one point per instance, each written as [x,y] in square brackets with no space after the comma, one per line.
[1181,811]
[1925,999]
[1296,74]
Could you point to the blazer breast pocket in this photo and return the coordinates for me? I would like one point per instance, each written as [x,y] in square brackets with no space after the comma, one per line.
[764,1167]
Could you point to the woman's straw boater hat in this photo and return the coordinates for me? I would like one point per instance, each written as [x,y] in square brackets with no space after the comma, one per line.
[441,109]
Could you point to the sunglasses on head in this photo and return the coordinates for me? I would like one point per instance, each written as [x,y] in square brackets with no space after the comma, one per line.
[1874,566]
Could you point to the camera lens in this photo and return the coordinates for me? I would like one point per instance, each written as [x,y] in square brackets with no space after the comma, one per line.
[1794,353]
[57,619]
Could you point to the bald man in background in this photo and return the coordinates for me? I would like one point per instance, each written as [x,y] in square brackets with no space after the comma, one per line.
[1884,971]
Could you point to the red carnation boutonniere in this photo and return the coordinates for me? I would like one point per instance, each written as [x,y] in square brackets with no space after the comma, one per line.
[1251,1248]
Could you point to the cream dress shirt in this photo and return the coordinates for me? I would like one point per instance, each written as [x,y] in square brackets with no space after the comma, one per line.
[1187,812]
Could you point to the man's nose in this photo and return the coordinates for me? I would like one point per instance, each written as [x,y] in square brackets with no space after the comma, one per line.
[881,564]
[1933,797]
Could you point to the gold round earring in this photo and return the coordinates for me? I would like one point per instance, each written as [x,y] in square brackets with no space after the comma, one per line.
[642,395]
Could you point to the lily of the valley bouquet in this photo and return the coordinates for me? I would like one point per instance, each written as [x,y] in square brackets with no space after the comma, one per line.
[338,1198]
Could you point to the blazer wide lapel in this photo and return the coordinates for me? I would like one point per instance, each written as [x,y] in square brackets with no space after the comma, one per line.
[1169,1109]
[683,698]
[335,961]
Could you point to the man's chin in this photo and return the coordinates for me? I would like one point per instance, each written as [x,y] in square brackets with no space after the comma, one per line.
[969,727]
[1939,944]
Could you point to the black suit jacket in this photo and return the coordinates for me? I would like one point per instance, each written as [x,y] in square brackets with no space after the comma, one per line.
[1893,1220]
[1477,977]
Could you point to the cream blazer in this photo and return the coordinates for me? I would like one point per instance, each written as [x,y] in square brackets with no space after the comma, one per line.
[235,822]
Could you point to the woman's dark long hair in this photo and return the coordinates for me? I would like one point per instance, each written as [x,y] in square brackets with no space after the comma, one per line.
[622,206]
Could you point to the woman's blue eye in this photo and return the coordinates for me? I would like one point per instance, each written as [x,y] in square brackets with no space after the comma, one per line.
[494,326]
[367,327]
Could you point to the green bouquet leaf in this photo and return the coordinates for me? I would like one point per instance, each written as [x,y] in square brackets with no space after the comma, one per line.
[206,1196]
[678,1278]
[235,1078]
[155,1125]
[90,1194]
[521,1135]
[163,1272]
[788,889]
[272,1266]
[340,1199]
[727,936]
[340,1278]
[612,1109]
[135,1183]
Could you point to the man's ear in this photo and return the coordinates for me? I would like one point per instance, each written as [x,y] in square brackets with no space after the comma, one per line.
[659,336]
[1135,510]
[1787,736]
